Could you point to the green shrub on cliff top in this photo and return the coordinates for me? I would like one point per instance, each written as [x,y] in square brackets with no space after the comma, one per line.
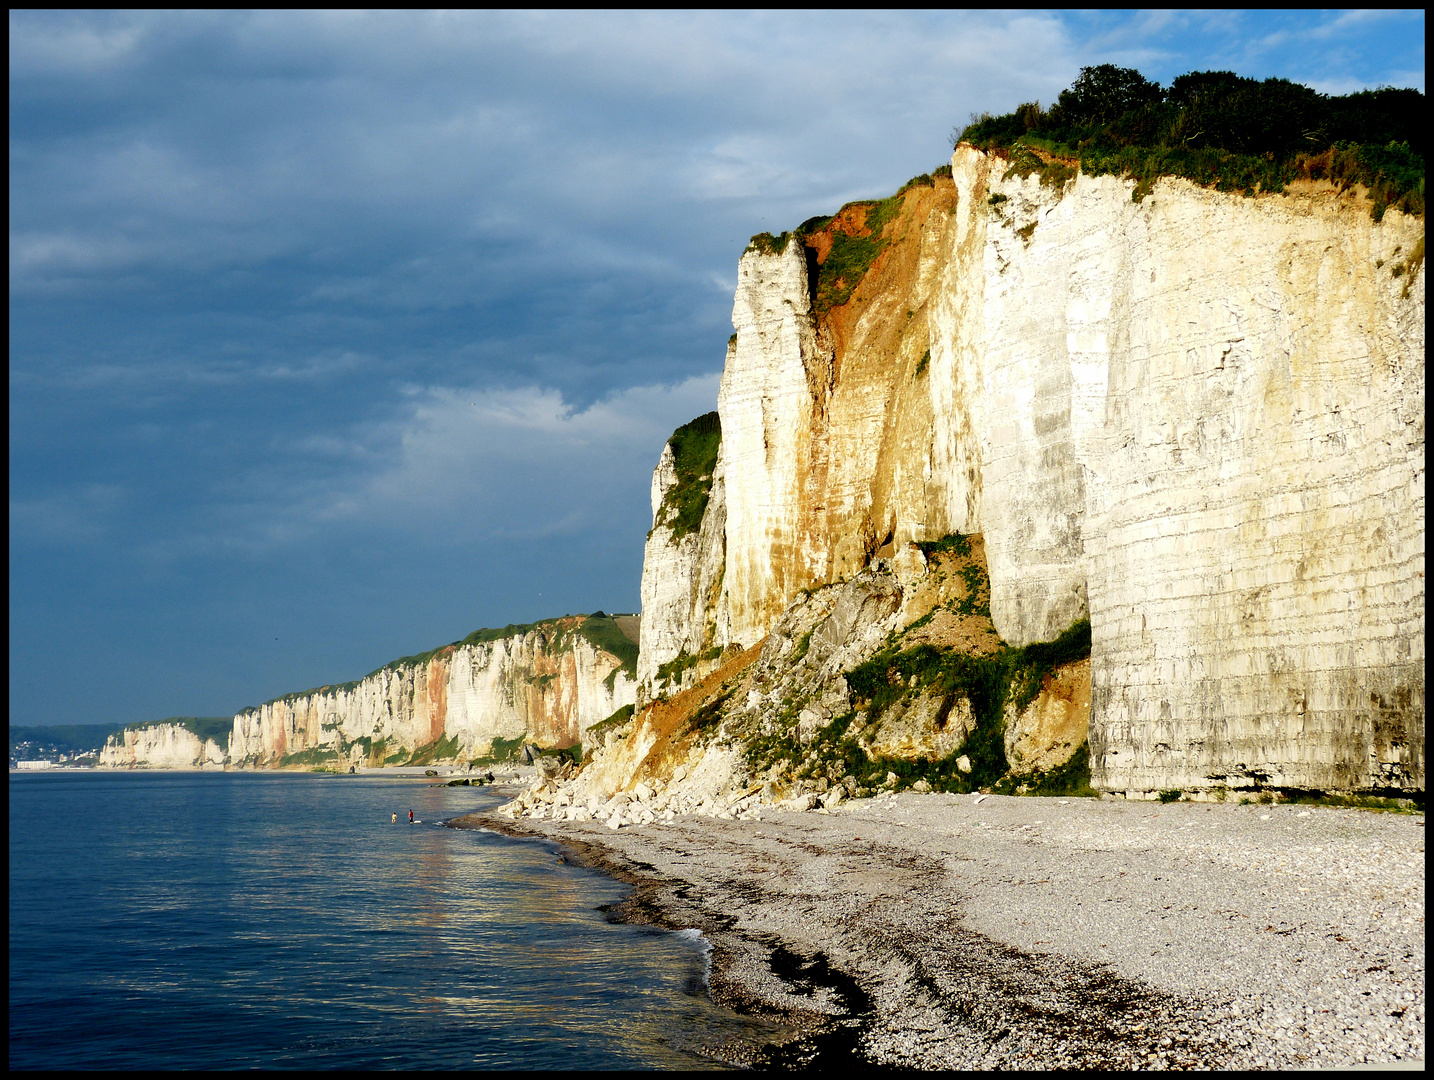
[851,256]
[1219,129]
[764,243]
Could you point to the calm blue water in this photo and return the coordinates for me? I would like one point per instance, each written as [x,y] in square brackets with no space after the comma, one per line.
[187,920]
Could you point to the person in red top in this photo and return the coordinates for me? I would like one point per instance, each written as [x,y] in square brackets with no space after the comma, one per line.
[410,817]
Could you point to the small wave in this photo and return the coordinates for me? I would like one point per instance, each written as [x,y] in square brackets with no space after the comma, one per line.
[699,941]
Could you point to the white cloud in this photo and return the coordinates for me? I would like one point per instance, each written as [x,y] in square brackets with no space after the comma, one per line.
[518,463]
[71,44]
[51,253]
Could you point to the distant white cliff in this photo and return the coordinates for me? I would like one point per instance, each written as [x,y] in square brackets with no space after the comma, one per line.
[544,684]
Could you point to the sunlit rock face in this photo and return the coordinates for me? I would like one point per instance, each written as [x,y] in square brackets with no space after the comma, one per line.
[1205,428]
[161,746]
[1196,420]
[681,588]
[547,686]
[826,418]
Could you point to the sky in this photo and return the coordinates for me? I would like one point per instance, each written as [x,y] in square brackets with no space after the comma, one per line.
[335,337]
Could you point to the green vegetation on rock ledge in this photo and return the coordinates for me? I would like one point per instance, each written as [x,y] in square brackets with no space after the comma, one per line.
[694,456]
[1008,679]
[617,720]
[672,671]
[852,254]
[1217,129]
[500,750]
[443,749]
[1071,779]
[318,755]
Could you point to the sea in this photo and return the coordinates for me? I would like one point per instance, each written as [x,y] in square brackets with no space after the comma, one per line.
[167,920]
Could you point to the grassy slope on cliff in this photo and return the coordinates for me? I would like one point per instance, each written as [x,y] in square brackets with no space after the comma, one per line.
[987,678]
[841,247]
[603,632]
[694,456]
[1218,129]
[923,658]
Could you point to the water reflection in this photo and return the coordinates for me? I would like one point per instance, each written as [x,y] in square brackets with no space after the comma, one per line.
[284,921]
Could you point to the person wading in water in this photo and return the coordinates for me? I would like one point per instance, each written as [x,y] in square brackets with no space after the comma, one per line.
[410,817]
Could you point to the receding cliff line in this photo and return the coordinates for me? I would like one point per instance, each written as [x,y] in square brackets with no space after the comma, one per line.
[545,684]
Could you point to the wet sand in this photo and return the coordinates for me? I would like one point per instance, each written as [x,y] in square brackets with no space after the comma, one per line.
[933,931]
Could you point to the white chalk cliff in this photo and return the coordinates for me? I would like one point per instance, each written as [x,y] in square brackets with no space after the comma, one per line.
[1196,420]
[545,684]
[681,582]
[161,746]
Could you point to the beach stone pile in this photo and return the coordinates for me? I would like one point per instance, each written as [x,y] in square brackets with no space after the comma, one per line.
[550,798]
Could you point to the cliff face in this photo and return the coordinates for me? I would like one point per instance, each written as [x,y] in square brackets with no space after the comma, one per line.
[827,421]
[161,746]
[547,686]
[1204,426]
[1196,420]
[800,719]
[681,585]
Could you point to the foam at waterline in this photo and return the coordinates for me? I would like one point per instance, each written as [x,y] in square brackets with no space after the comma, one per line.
[699,941]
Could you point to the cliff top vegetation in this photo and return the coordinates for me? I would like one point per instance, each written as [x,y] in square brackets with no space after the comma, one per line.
[841,247]
[603,632]
[1220,129]
[599,629]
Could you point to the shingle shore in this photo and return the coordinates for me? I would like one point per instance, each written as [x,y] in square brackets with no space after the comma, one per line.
[933,931]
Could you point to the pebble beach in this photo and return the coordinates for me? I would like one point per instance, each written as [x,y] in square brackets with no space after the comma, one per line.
[983,932]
